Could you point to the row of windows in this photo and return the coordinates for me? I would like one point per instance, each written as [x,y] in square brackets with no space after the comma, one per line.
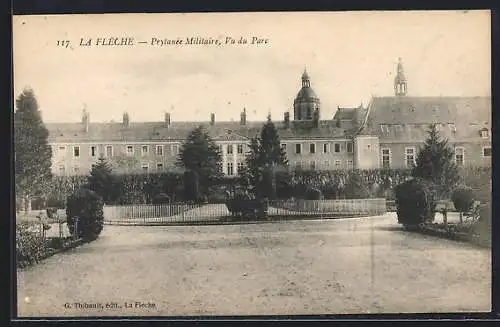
[325,148]
[159,149]
[230,168]
[410,156]
[229,148]
[174,149]
[326,164]
[144,167]
[109,150]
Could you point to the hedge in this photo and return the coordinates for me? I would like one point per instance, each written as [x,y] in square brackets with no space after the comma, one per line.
[143,188]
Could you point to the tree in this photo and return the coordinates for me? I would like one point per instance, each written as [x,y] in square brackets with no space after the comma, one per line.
[102,181]
[33,154]
[265,156]
[200,154]
[435,164]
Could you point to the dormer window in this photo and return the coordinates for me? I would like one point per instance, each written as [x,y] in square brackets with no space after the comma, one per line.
[485,133]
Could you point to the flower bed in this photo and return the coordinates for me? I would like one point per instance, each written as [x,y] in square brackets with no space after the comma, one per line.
[32,247]
[456,232]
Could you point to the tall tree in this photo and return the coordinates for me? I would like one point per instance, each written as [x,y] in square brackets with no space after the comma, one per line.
[32,152]
[271,152]
[264,158]
[200,154]
[102,181]
[435,163]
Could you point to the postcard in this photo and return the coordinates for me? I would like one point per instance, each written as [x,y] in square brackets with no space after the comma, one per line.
[252,163]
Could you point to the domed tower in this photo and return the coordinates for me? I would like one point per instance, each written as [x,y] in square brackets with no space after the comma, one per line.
[400,85]
[306,105]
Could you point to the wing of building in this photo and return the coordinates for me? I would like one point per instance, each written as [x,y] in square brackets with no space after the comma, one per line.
[387,133]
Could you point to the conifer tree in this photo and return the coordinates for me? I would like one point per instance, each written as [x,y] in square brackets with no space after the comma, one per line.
[271,152]
[265,156]
[32,152]
[102,181]
[200,154]
[435,163]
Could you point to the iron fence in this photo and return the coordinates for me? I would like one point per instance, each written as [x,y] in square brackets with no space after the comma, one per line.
[183,213]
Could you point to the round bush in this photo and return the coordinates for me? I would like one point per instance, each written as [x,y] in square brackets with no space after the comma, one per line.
[463,198]
[85,206]
[161,198]
[414,203]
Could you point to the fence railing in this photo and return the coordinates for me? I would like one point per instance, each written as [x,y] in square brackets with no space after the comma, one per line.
[328,207]
[212,212]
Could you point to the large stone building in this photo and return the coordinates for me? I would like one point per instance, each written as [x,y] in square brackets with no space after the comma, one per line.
[386,133]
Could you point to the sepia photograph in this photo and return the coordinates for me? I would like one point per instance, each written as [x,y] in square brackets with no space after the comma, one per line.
[252,163]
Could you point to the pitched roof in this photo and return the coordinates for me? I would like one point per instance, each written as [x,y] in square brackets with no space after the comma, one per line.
[178,131]
[408,118]
[345,113]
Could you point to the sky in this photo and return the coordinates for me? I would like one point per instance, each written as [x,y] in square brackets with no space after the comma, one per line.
[350,57]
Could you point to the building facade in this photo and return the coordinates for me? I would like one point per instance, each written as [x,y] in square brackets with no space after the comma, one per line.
[387,133]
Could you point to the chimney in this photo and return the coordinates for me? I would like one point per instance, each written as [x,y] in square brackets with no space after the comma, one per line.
[243,118]
[167,119]
[286,119]
[85,120]
[125,120]
[212,119]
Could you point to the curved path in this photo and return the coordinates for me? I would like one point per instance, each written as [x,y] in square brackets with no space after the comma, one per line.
[362,265]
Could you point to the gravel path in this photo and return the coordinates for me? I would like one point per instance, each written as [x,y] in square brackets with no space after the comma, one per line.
[297,267]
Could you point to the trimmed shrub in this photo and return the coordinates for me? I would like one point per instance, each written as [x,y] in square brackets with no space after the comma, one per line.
[415,203]
[242,205]
[462,198]
[161,198]
[86,206]
[313,194]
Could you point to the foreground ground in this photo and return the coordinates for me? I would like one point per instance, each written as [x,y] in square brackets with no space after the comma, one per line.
[366,265]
